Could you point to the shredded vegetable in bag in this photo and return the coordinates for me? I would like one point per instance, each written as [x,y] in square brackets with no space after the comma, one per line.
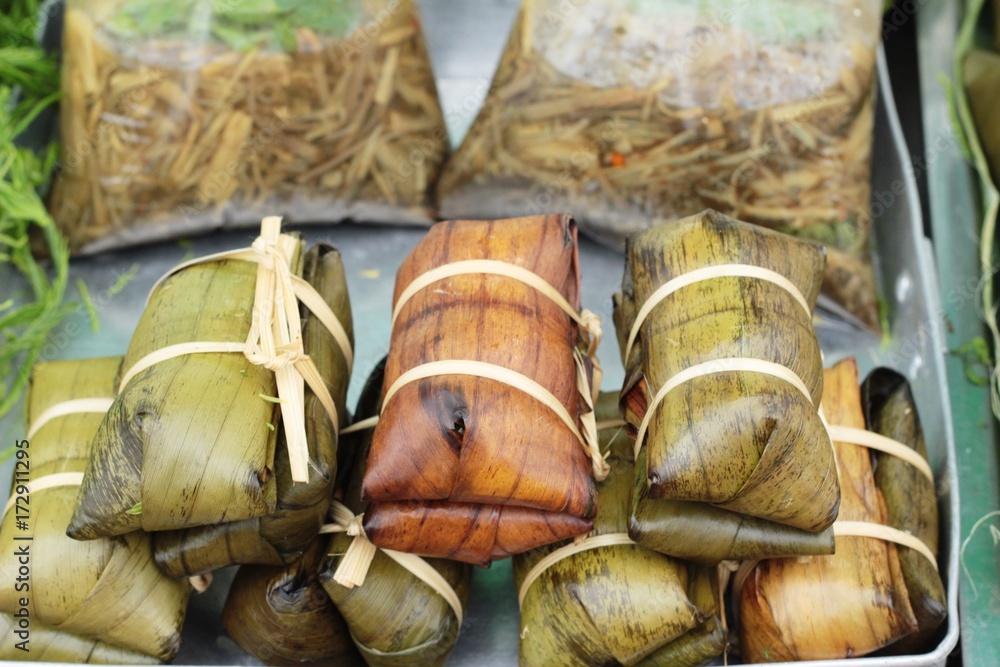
[183,116]
[629,112]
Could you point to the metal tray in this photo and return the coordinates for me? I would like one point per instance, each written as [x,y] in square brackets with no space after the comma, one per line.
[466,39]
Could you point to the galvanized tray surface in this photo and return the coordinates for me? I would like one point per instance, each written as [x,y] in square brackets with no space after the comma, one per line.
[466,39]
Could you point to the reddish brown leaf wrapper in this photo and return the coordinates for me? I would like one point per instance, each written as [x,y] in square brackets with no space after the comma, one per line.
[465,467]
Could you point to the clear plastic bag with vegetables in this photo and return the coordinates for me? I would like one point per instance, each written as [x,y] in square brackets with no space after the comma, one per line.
[628,112]
[192,114]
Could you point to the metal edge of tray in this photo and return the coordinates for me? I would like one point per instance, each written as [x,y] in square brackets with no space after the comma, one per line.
[956,217]
[917,350]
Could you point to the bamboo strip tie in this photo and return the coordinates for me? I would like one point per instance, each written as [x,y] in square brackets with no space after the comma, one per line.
[863,438]
[588,325]
[200,583]
[53,481]
[354,564]
[66,408]
[732,364]
[712,273]
[571,549]
[275,338]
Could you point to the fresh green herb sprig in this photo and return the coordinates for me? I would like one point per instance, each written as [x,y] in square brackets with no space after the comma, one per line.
[28,85]
[769,21]
[239,24]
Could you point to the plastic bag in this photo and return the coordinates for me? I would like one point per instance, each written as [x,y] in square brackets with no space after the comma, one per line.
[628,112]
[183,116]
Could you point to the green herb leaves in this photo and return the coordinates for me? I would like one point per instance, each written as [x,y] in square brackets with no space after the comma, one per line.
[28,85]
[239,24]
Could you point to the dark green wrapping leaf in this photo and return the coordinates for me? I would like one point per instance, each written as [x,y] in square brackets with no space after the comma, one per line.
[617,605]
[699,329]
[705,642]
[395,619]
[910,500]
[281,537]
[708,534]
[282,616]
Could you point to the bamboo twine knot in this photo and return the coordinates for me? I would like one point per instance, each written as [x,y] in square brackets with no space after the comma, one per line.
[275,338]
[357,560]
[355,527]
[591,331]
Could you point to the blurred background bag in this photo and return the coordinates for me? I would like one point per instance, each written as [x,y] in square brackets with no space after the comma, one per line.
[628,112]
[185,116]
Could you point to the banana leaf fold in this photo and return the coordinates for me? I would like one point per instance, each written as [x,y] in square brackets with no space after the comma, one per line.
[465,466]
[191,442]
[735,461]
[831,607]
[48,645]
[105,594]
[282,616]
[281,537]
[910,500]
[395,618]
[620,604]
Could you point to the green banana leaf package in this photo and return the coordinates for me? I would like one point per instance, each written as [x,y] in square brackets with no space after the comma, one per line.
[722,388]
[48,645]
[632,112]
[615,603]
[282,616]
[102,600]
[862,599]
[201,436]
[396,618]
[181,117]
[910,500]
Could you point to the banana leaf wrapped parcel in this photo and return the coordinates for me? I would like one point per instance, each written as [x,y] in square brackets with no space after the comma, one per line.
[632,112]
[722,387]
[282,616]
[181,117]
[223,369]
[104,595]
[485,445]
[402,610]
[608,601]
[48,645]
[282,536]
[910,500]
[849,604]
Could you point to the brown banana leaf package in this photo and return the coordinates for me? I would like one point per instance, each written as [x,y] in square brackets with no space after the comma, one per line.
[282,616]
[483,448]
[615,603]
[397,618]
[103,600]
[628,113]
[723,382]
[910,500]
[181,117]
[191,441]
[831,607]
